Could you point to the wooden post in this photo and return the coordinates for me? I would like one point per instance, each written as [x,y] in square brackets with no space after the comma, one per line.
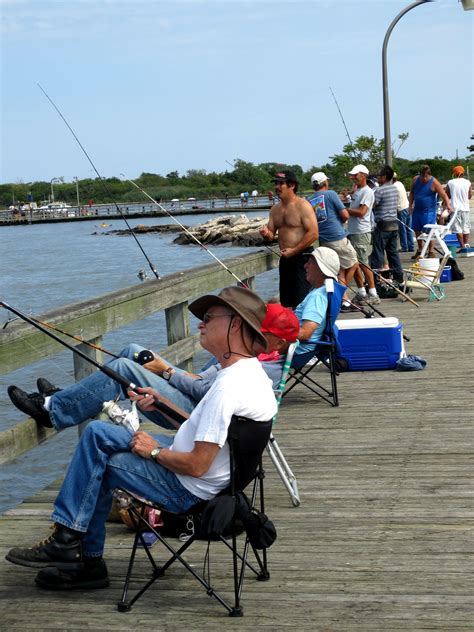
[177,328]
[82,368]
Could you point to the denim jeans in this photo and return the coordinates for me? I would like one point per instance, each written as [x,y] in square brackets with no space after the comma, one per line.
[101,462]
[386,241]
[84,400]
[405,233]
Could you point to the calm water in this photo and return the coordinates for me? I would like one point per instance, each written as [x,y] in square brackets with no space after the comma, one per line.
[46,266]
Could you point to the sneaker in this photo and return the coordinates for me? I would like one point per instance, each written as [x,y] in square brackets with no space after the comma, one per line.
[360,299]
[62,549]
[416,255]
[31,404]
[90,575]
[348,308]
[45,387]
[372,300]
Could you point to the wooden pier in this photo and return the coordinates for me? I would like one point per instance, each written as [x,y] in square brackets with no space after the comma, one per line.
[384,538]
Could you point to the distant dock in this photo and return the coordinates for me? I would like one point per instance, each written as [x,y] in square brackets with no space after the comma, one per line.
[132,210]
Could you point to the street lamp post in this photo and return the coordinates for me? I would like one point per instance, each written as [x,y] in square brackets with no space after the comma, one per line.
[386,106]
[54,181]
[77,192]
[468,5]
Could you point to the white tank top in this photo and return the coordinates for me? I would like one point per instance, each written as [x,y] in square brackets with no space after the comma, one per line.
[459,190]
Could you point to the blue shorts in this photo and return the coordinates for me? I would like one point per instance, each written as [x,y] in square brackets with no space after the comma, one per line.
[418,220]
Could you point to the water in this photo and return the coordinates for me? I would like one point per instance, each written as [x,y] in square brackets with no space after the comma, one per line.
[45,266]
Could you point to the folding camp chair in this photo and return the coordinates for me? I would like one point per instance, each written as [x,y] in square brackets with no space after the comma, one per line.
[418,277]
[247,440]
[273,449]
[324,352]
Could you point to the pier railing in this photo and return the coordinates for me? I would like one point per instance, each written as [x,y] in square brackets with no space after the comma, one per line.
[21,344]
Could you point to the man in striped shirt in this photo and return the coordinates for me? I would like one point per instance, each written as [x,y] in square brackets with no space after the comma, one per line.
[385,235]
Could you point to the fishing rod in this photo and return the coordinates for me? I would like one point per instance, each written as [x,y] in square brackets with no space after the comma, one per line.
[389,284]
[186,230]
[344,123]
[124,383]
[74,337]
[102,180]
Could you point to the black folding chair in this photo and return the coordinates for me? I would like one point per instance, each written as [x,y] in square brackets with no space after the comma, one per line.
[247,440]
[324,352]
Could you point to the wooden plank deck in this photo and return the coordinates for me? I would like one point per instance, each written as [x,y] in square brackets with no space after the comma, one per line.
[383,539]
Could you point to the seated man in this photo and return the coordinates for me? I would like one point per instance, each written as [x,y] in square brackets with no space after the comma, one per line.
[193,468]
[311,312]
[182,391]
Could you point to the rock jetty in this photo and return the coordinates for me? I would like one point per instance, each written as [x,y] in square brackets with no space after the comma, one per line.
[238,230]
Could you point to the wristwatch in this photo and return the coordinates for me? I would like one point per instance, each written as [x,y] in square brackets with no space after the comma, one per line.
[155,452]
[167,373]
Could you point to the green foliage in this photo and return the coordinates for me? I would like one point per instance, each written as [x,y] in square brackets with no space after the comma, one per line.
[243,176]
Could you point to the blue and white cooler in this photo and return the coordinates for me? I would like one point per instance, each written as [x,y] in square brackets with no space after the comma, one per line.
[370,344]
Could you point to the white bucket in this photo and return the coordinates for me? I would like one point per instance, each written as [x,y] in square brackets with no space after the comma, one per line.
[428,264]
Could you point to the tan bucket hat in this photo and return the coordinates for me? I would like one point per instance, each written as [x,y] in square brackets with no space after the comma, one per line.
[240,300]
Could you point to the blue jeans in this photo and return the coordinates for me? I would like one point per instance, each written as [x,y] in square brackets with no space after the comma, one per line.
[84,400]
[386,241]
[405,233]
[101,462]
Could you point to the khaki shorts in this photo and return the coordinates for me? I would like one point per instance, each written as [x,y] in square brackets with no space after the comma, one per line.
[362,245]
[345,250]
[462,223]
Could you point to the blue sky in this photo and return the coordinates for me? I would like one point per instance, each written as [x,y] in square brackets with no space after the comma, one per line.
[160,86]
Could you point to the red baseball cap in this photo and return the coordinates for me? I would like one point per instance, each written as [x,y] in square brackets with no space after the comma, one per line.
[280,321]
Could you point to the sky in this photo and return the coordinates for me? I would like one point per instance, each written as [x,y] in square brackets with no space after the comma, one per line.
[159,86]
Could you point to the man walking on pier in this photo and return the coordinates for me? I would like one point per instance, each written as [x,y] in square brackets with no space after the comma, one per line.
[293,219]
[175,474]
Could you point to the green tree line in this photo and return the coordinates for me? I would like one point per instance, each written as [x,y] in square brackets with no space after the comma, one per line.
[243,176]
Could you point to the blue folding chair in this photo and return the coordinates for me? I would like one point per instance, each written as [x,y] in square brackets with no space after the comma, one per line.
[325,352]
[273,449]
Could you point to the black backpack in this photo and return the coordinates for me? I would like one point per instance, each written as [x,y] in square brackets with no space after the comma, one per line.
[456,273]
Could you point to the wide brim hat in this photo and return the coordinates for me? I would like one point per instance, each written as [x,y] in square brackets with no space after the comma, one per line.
[240,300]
[327,260]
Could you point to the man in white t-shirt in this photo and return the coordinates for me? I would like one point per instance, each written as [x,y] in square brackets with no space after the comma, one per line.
[459,191]
[359,230]
[174,473]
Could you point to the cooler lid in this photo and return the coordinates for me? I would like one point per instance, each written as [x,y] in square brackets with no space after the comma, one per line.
[367,323]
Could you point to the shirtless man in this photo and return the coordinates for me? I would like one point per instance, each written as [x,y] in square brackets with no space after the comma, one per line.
[294,220]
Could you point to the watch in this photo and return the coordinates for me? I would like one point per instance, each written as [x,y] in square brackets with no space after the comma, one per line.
[155,452]
[167,373]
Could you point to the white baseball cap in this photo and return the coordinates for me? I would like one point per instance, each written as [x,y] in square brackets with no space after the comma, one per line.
[319,177]
[327,260]
[358,169]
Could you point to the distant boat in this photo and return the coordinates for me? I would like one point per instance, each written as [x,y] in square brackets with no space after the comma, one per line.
[54,206]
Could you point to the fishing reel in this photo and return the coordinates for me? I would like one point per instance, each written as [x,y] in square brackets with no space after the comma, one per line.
[144,356]
[121,417]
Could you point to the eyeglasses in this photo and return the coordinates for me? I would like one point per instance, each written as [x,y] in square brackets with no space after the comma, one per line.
[209,316]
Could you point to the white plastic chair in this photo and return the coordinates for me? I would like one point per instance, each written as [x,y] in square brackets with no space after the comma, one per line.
[437,232]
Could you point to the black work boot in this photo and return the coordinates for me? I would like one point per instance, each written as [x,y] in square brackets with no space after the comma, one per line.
[45,387]
[31,404]
[62,549]
[92,574]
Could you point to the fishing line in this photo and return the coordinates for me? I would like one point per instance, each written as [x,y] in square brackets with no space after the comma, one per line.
[102,180]
[188,232]
[124,383]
